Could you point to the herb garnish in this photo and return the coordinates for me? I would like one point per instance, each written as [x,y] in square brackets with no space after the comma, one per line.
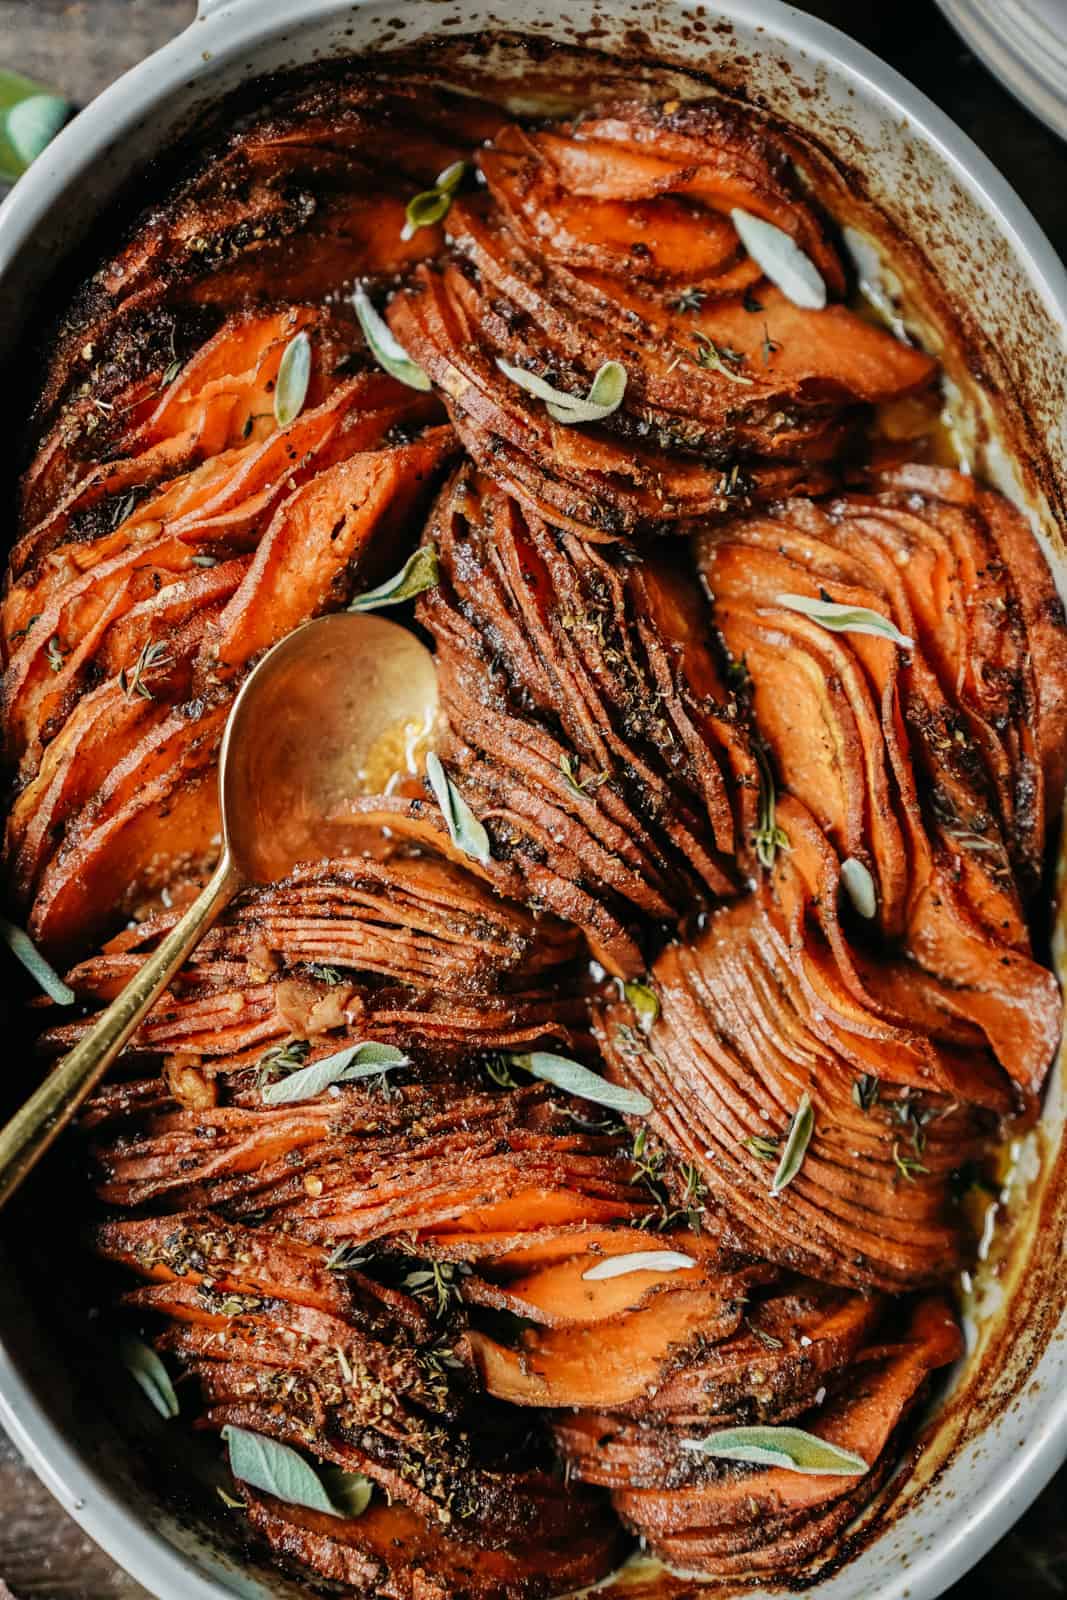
[439,1281]
[859,886]
[361,1060]
[346,1257]
[419,572]
[148,1371]
[638,1261]
[845,619]
[464,829]
[762,1146]
[582,787]
[782,259]
[909,1167]
[604,397]
[796,1145]
[55,653]
[433,205]
[719,358]
[575,1079]
[277,1470]
[294,375]
[769,837]
[47,978]
[688,300]
[791,1449]
[768,346]
[384,346]
[281,1059]
[645,1002]
[865,1090]
[153,655]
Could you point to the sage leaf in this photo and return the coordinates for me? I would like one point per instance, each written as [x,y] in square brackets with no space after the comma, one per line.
[578,1080]
[44,974]
[639,1261]
[796,1145]
[604,397]
[464,829]
[275,1469]
[148,1371]
[782,260]
[350,1492]
[859,886]
[294,375]
[645,1002]
[362,1060]
[845,619]
[791,1449]
[419,572]
[384,347]
[433,205]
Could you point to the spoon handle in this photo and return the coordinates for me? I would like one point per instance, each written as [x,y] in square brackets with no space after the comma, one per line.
[52,1104]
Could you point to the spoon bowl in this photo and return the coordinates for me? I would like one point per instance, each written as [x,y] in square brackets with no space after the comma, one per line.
[343,705]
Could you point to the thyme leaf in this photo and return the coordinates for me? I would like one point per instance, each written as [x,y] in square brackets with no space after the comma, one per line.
[153,655]
[716,357]
[769,837]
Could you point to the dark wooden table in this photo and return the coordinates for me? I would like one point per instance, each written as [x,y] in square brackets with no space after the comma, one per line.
[80,46]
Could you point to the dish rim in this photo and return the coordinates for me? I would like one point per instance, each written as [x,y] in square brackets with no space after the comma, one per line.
[237,26]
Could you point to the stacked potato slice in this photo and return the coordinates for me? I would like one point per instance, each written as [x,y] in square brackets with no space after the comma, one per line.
[767,813]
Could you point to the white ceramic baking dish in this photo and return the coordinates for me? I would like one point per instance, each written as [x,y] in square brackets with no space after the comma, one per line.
[894,167]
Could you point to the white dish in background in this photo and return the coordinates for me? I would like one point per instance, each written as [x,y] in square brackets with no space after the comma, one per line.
[1024,43]
[1006,1431]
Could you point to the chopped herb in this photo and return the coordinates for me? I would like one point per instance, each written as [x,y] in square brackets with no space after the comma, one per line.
[497,1068]
[604,397]
[464,829]
[419,572]
[865,1091]
[123,509]
[440,1281]
[796,1145]
[153,655]
[23,949]
[767,1340]
[782,259]
[170,373]
[20,633]
[768,346]
[229,1500]
[321,974]
[294,375]
[578,1080]
[762,1146]
[582,787]
[688,300]
[716,357]
[275,1063]
[645,1002]
[433,205]
[769,837]
[346,1257]
[55,653]
[790,1449]
[148,1371]
[205,561]
[909,1167]
[845,619]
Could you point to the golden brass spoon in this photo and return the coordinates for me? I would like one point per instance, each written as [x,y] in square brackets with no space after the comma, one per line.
[337,708]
